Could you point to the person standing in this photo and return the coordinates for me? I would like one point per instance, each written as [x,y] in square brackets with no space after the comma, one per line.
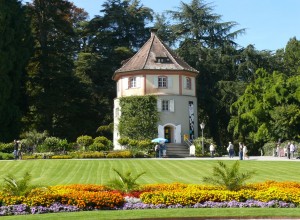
[288,150]
[164,150]
[230,150]
[292,150]
[241,151]
[212,150]
[16,147]
[245,152]
[156,149]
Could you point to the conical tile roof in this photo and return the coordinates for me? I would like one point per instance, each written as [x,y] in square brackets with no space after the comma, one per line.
[154,55]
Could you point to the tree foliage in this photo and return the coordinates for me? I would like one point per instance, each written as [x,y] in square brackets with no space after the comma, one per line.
[268,110]
[14,187]
[229,177]
[125,182]
[15,48]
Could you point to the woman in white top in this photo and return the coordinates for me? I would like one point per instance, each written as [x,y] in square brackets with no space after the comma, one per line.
[245,152]
[212,150]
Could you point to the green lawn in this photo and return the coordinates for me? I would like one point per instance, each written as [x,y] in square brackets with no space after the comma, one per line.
[167,213]
[55,172]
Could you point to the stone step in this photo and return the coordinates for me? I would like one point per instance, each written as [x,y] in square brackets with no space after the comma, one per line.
[177,150]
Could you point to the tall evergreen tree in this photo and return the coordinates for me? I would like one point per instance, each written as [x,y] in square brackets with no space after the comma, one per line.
[292,57]
[15,49]
[53,90]
[108,40]
[207,44]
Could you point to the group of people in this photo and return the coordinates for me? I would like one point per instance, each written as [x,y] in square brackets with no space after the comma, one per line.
[160,150]
[17,150]
[287,151]
[243,151]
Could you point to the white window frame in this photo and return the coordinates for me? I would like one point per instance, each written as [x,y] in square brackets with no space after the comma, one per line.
[188,82]
[162,82]
[132,82]
[165,105]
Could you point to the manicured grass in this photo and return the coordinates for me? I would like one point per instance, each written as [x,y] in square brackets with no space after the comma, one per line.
[61,172]
[167,213]
[58,172]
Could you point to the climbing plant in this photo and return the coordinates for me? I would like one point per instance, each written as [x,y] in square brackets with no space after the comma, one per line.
[139,117]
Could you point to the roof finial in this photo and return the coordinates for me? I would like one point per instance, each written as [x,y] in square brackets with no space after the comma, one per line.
[153,31]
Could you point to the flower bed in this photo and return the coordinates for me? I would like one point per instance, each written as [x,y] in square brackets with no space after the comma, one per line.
[77,197]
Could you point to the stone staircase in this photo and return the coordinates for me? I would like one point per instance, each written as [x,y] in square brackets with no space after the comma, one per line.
[177,150]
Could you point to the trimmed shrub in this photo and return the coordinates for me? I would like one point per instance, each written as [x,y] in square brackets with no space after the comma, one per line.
[124,141]
[97,147]
[6,156]
[61,157]
[119,154]
[6,147]
[108,145]
[85,141]
[53,144]
[89,154]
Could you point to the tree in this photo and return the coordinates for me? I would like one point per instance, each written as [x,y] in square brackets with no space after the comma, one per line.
[292,57]
[207,44]
[268,110]
[54,93]
[231,178]
[15,48]
[109,39]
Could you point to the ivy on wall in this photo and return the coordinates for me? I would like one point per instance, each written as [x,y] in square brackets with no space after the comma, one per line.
[139,117]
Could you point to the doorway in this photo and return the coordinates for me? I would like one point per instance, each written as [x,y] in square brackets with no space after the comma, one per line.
[168,133]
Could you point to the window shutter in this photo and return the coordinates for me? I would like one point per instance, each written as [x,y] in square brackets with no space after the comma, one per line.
[138,82]
[161,131]
[155,82]
[172,107]
[125,83]
[170,82]
[159,105]
[185,82]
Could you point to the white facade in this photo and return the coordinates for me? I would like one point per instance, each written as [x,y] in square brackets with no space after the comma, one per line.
[156,70]
[176,103]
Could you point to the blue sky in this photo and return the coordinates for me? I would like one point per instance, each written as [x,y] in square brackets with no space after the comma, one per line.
[269,24]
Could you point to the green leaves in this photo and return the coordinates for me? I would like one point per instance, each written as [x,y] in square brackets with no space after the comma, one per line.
[269,108]
[15,187]
[229,177]
[139,117]
[125,182]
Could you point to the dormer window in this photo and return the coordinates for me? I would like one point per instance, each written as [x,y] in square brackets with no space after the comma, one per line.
[163,60]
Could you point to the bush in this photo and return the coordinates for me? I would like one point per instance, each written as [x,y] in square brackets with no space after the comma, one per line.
[87,154]
[206,141]
[85,141]
[231,178]
[6,147]
[103,140]
[125,182]
[61,157]
[123,141]
[54,144]
[97,147]
[6,156]
[119,154]
[269,149]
